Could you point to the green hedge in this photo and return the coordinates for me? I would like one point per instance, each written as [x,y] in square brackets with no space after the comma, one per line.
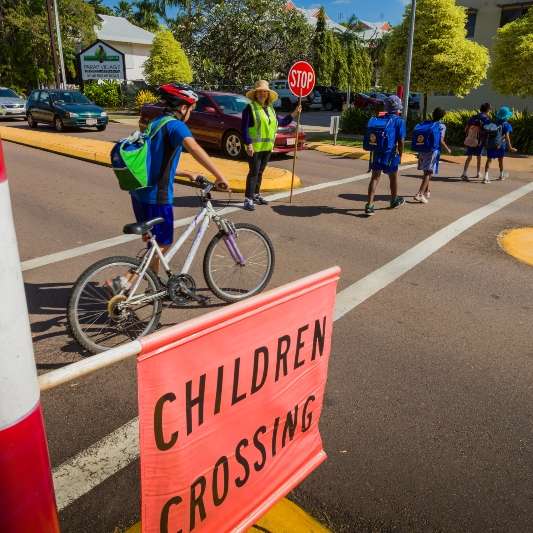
[105,94]
[354,121]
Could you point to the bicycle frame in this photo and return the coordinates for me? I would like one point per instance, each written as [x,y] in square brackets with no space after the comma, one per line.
[200,222]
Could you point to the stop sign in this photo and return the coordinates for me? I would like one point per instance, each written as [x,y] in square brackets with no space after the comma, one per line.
[301,78]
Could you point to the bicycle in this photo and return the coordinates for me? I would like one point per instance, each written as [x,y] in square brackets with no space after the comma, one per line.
[101,316]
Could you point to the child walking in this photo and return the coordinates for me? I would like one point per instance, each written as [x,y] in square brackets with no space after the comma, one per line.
[428,162]
[499,141]
[475,139]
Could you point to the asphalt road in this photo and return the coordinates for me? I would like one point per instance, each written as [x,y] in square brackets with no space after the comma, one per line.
[427,421]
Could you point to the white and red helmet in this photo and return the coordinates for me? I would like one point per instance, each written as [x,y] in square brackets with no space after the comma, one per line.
[176,95]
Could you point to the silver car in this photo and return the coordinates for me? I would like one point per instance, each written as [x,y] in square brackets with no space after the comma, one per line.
[11,104]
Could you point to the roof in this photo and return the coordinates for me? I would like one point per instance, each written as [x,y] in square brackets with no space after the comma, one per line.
[121,30]
[374,30]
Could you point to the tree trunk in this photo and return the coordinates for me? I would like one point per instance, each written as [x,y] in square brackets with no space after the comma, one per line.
[425,110]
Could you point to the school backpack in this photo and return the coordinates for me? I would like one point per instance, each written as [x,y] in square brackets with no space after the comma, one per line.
[380,135]
[473,134]
[130,157]
[426,136]
[494,134]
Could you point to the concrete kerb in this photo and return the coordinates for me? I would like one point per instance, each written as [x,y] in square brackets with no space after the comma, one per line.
[96,151]
[351,152]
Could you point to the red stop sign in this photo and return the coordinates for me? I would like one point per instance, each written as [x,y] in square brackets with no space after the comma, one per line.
[301,78]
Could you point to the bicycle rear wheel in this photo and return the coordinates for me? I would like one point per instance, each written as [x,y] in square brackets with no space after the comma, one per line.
[226,276]
[99,317]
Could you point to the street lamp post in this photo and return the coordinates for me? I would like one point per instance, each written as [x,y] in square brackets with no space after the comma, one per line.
[407,80]
[49,12]
[60,47]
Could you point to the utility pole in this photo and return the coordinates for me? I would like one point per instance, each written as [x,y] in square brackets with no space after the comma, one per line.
[60,47]
[407,81]
[50,13]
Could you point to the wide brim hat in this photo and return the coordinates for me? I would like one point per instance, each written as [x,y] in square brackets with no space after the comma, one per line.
[504,113]
[262,85]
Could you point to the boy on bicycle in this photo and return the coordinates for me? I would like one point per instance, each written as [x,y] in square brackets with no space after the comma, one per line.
[165,151]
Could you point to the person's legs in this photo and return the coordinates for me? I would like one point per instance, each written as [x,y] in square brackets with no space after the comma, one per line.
[424,186]
[254,163]
[264,158]
[374,180]
[465,169]
[478,166]
[486,179]
[500,162]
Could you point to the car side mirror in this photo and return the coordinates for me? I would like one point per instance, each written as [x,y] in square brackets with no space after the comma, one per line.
[209,109]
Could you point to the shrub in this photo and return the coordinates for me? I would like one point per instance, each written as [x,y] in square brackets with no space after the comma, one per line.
[354,120]
[144,96]
[105,94]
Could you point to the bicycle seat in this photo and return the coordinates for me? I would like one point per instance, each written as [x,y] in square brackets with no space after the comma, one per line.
[140,228]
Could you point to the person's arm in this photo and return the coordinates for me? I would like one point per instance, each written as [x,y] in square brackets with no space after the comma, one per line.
[287,119]
[508,139]
[246,123]
[200,155]
[443,140]
[401,145]
[401,133]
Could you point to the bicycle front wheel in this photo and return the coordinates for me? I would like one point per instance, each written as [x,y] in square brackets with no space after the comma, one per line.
[99,314]
[239,266]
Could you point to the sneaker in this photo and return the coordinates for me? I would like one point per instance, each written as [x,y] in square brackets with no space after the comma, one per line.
[418,197]
[503,175]
[117,285]
[258,199]
[464,177]
[428,195]
[249,204]
[486,179]
[397,202]
[369,210]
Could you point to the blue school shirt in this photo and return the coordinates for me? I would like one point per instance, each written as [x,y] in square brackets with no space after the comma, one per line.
[165,153]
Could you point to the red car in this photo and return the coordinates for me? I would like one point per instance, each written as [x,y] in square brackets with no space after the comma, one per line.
[216,123]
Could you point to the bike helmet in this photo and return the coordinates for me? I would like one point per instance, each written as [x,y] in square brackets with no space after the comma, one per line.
[175,95]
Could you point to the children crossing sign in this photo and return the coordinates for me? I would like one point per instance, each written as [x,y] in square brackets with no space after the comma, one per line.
[100,61]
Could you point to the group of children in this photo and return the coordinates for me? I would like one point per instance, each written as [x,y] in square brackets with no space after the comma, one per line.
[385,137]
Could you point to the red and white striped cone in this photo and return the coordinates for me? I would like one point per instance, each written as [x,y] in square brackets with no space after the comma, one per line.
[26,490]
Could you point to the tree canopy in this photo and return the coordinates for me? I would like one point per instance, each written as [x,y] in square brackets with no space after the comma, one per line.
[167,61]
[512,64]
[25,41]
[444,60]
[239,41]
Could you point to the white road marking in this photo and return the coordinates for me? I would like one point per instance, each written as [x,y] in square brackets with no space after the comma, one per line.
[92,466]
[57,257]
[86,470]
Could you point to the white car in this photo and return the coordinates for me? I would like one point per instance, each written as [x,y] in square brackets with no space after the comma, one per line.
[287,100]
[11,104]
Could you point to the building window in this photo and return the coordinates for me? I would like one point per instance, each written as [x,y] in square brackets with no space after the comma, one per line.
[513,11]
[471,16]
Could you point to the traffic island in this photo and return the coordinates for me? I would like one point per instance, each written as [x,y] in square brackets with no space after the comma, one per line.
[95,151]
[351,152]
[518,243]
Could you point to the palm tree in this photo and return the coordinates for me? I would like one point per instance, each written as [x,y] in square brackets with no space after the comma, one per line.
[124,9]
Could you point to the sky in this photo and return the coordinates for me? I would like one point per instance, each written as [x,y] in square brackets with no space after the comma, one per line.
[369,10]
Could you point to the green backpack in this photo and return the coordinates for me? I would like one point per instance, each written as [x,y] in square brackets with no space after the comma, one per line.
[130,157]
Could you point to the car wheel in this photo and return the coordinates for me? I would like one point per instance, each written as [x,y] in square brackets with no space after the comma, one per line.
[232,145]
[101,127]
[32,123]
[58,124]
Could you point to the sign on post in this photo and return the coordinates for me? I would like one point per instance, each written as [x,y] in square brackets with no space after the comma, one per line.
[229,406]
[334,126]
[301,80]
[100,61]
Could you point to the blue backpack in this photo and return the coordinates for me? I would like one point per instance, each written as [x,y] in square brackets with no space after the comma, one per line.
[380,135]
[494,135]
[130,157]
[426,137]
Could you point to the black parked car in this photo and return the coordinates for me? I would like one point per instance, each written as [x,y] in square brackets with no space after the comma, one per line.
[64,109]
[332,98]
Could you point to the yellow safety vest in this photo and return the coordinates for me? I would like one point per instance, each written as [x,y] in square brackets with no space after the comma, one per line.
[263,132]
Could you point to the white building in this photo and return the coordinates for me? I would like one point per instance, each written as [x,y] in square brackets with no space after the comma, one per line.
[484,19]
[134,42]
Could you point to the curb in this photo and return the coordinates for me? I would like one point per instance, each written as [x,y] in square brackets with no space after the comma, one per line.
[284,517]
[95,151]
[351,152]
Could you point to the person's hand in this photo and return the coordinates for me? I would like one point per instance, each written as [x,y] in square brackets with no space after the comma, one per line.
[297,111]
[222,185]
[449,150]
[513,149]
[250,150]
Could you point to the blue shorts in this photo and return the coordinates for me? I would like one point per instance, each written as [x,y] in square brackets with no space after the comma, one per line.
[164,232]
[385,162]
[496,153]
[478,150]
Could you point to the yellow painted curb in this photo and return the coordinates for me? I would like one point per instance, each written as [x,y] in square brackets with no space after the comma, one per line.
[351,152]
[95,151]
[518,243]
[284,517]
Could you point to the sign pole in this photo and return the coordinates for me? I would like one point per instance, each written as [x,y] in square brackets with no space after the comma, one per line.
[295,147]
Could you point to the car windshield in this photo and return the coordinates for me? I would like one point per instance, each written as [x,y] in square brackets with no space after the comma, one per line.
[8,93]
[70,97]
[230,104]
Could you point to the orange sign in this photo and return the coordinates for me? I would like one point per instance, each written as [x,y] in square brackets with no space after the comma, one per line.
[229,405]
